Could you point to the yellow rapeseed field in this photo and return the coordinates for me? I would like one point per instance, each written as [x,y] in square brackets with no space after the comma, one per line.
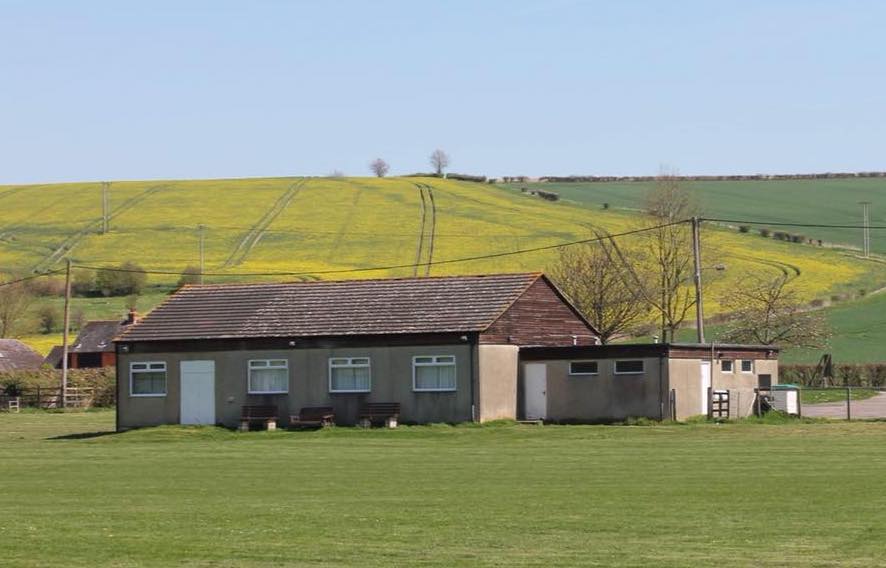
[341,224]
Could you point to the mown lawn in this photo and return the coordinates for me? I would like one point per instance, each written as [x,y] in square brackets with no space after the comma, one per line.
[699,495]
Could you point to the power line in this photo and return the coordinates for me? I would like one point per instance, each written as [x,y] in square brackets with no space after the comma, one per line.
[397,266]
[32,277]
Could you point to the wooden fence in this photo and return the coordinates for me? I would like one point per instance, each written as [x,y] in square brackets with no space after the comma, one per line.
[43,397]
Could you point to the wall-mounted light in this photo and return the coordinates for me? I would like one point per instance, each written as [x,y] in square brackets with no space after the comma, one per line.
[124,348]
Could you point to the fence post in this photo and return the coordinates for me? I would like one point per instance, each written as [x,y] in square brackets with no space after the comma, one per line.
[759,411]
[848,402]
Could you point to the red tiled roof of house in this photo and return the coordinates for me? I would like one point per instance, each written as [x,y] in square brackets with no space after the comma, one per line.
[333,308]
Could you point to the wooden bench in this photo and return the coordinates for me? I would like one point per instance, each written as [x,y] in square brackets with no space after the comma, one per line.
[387,412]
[313,417]
[266,413]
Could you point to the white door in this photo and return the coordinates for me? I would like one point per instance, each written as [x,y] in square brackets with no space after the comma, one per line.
[198,392]
[535,390]
[705,385]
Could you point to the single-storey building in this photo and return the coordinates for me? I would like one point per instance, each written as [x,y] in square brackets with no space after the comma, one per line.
[446,349]
[94,345]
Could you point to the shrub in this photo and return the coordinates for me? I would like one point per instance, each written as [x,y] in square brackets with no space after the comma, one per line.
[83,283]
[190,275]
[126,280]
[766,233]
[781,236]
[13,383]
[49,319]
[798,238]
[817,303]
[605,206]
[744,228]
[47,287]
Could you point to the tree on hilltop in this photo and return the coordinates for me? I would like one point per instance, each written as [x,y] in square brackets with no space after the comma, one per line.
[439,161]
[379,167]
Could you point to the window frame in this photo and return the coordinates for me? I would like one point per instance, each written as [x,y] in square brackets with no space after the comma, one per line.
[133,371]
[595,373]
[615,370]
[249,370]
[741,366]
[731,365]
[435,363]
[350,365]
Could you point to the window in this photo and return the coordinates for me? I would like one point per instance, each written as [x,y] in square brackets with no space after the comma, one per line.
[349,374]
[583,367]
[147,379]
[268,376]
[726,365]
[747,366]
[433,373]
[629,367]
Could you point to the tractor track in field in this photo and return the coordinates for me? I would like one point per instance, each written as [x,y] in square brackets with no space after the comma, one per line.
[71,241]
[788,270]
[424,253]
[340,235]
[257,231]
[10,230]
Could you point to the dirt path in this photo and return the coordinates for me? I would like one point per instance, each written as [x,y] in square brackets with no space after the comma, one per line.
[874,407]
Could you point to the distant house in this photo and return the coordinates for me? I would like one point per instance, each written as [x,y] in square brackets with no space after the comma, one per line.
[447,349]
[94,345]
[16,356]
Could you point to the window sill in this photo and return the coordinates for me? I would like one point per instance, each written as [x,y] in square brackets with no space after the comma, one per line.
[349,392]
[267,392]
[148,395]
[584,374]
[434,390]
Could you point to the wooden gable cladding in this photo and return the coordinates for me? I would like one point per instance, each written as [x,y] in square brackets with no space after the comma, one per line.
[540,316]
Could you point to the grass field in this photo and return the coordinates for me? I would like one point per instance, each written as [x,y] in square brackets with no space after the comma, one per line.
[313,226]
[818,396]
[829,202]
[688,495]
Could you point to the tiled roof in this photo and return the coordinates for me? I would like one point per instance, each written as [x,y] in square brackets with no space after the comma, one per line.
[16,355]
[333,308]
[97,336]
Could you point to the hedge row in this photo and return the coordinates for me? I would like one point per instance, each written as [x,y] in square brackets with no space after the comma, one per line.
[753,177]
[460,177]
[855,375]
[103,380]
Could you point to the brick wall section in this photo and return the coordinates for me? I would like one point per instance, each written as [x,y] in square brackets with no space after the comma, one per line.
[539,317]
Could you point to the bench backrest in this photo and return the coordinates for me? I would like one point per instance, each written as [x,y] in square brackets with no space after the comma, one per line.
[259,411]
[309,413]
[380,408]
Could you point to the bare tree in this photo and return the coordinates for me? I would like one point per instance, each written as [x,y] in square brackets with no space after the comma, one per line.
[15,300]
[601,286]
[667,251]
[379,167]
[767,311]
[439,161]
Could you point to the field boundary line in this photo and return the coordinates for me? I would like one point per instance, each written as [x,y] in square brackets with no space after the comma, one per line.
[257,231]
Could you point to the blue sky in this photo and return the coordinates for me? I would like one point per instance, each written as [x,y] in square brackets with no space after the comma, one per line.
[154,89]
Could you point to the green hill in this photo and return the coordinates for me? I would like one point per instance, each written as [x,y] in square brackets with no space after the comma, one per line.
[340,227]
[815,201]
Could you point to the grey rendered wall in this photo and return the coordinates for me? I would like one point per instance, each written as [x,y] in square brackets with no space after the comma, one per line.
[391,372]
[604,397]
[685,379]
[498,381]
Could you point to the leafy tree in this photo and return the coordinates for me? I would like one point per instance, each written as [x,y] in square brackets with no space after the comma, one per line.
[125,280]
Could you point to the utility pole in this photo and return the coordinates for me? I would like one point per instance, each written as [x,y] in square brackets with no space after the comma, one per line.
[106,205]
[866,216]
[201,229]
[699,305]
[66,324]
